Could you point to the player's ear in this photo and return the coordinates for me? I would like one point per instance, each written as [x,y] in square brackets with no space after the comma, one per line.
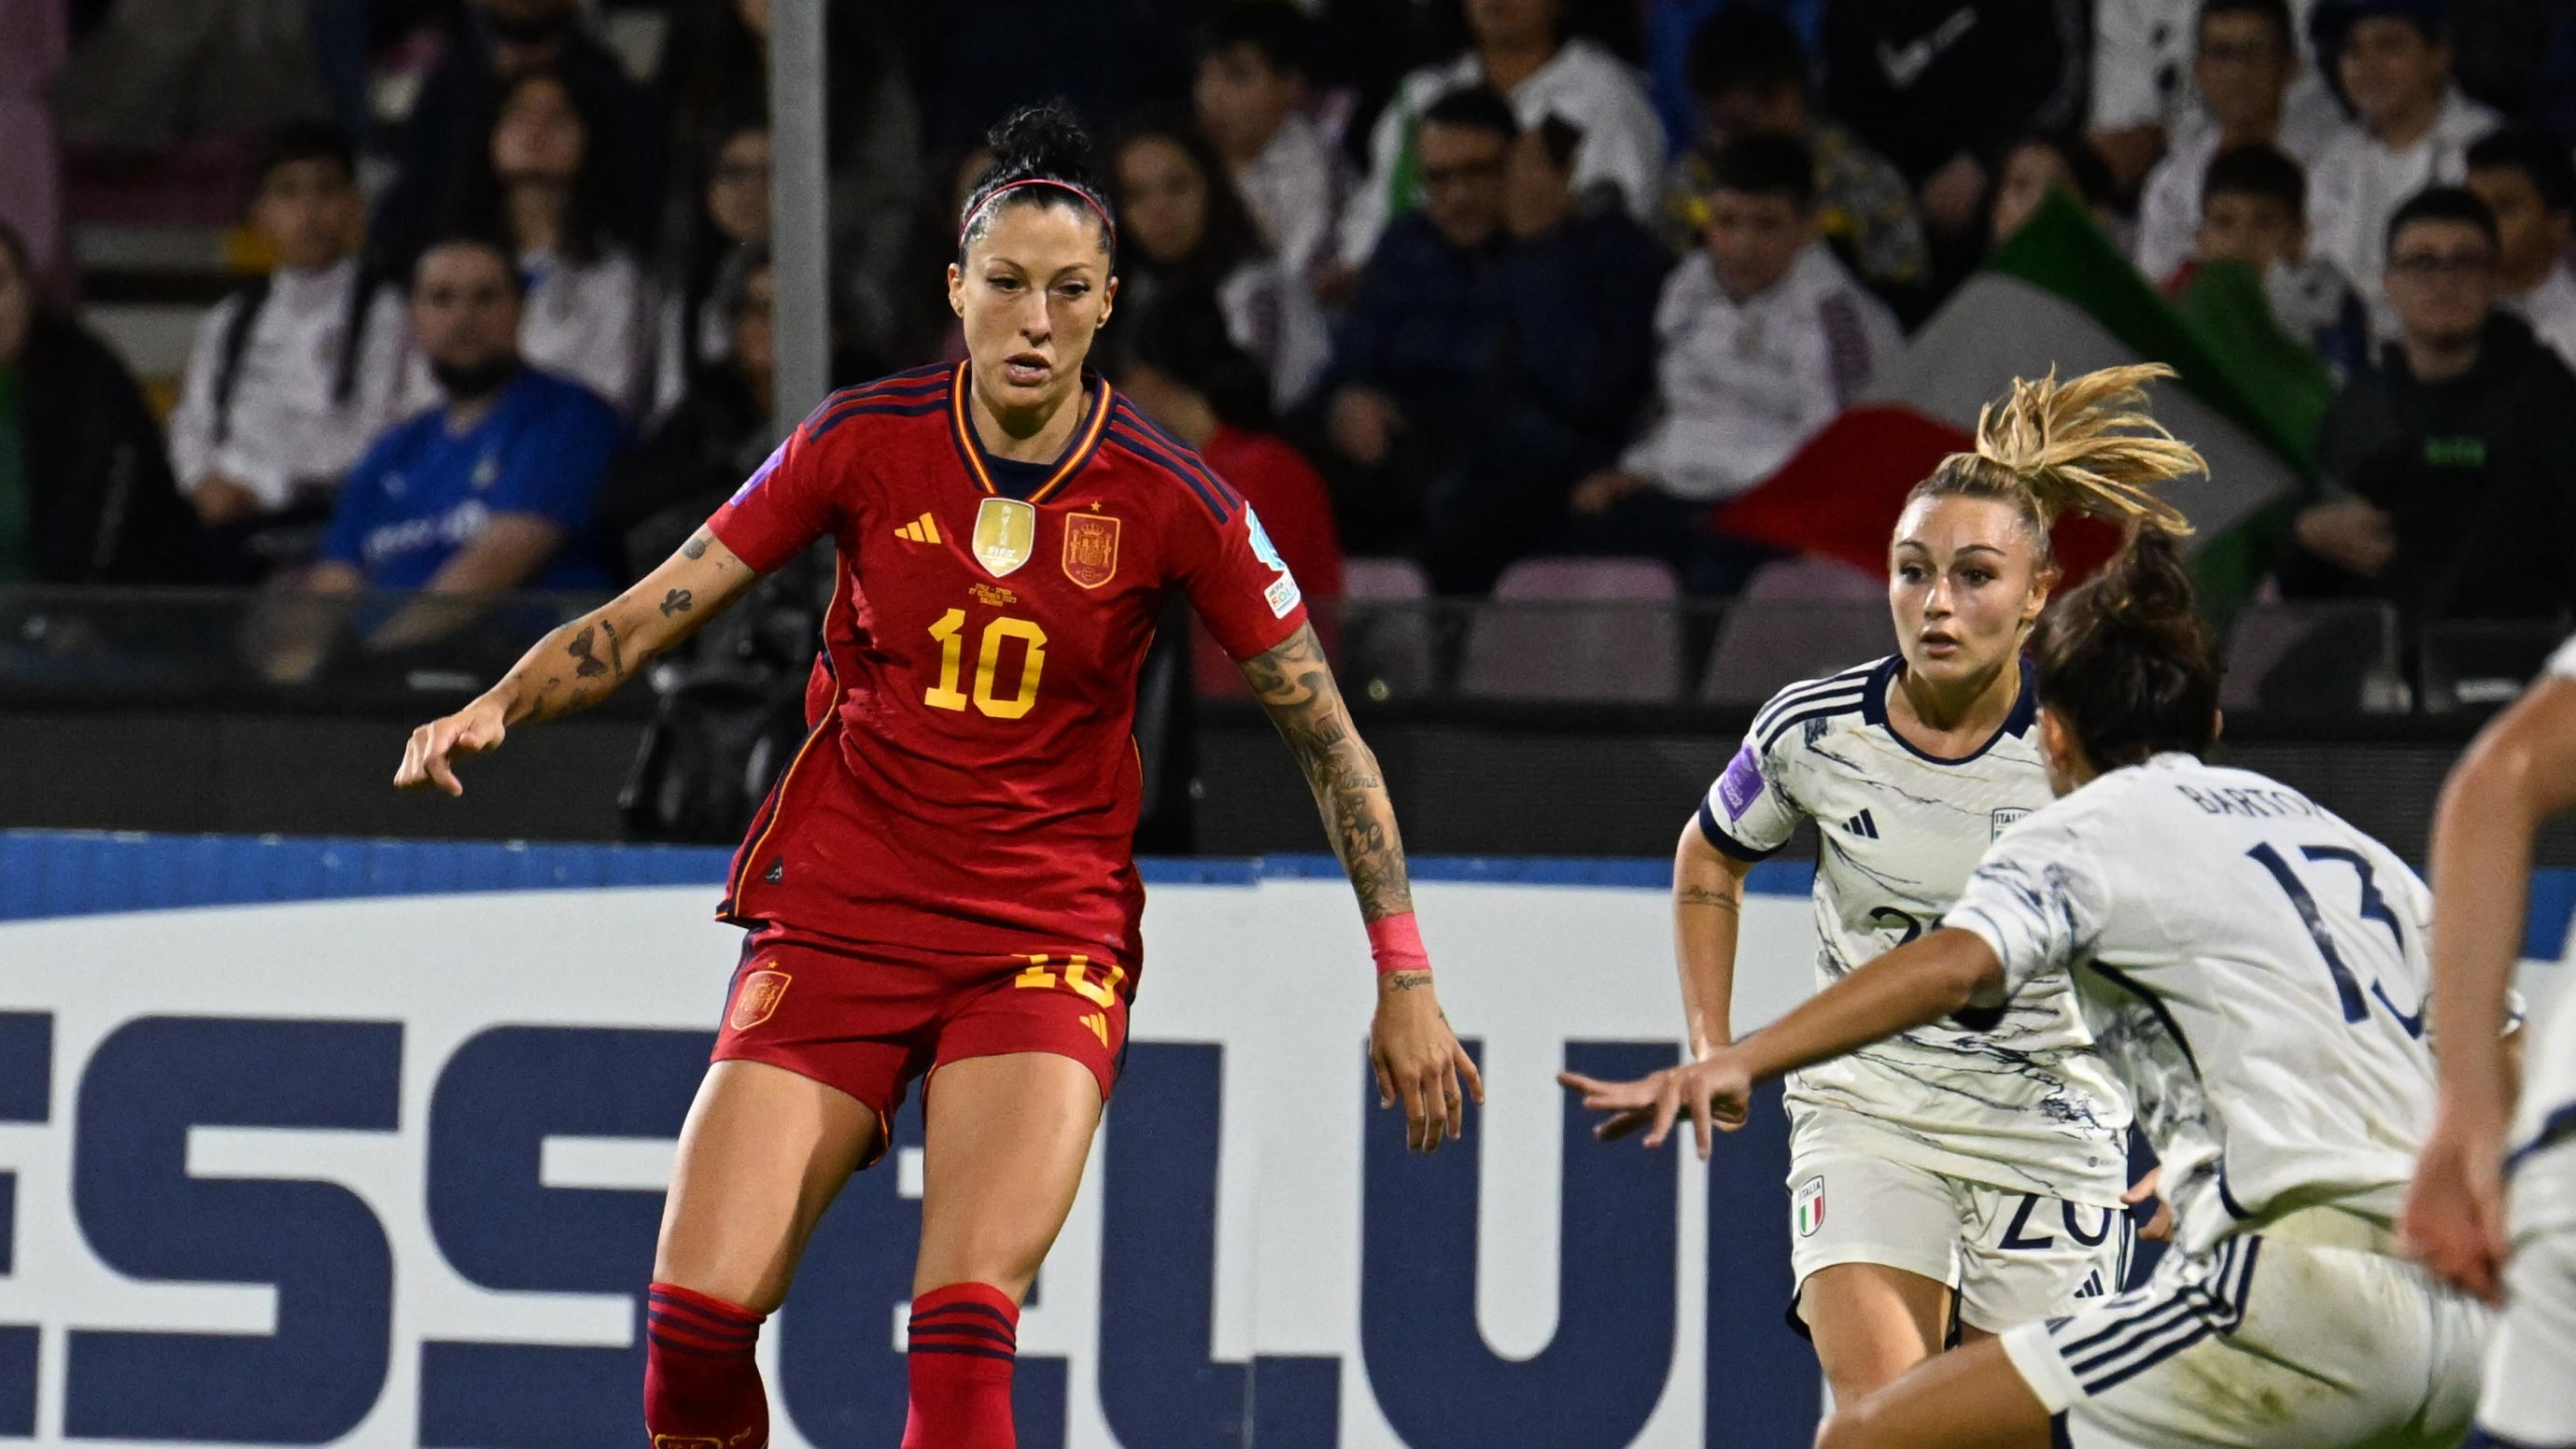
[1109,297]
[957,290]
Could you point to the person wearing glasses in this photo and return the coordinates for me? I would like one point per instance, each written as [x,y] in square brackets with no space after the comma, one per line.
[2445,463]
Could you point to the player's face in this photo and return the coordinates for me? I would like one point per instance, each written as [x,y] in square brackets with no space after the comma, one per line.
[1965,584]
[1032,291]
[309,211]
[1162,198]
[539,137]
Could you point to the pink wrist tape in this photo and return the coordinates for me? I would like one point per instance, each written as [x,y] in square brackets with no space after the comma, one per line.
[1396,942]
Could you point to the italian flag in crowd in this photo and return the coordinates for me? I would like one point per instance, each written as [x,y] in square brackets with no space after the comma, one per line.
[2058,294]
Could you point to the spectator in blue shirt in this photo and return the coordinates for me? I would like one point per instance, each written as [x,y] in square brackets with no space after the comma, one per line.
[1495,351]
[491,491]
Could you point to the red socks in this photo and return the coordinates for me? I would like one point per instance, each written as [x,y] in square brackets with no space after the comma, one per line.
[965,1338]
[701,1388]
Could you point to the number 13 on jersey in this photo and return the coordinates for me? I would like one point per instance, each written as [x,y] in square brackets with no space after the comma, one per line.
[950,631]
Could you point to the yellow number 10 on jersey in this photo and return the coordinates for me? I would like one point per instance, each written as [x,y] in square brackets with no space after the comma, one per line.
[950,631]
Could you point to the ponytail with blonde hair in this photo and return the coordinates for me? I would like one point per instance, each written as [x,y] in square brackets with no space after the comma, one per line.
[2085,445]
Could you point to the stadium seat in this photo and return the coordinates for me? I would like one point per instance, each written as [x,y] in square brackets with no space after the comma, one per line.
[1766,645]
[1577,629]
[2332,658]
[1387,629]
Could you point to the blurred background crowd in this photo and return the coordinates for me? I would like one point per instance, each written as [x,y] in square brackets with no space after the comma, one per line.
[1578,300]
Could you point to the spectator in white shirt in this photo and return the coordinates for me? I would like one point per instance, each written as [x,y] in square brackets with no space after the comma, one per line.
[541,179]
[1520,49]
[1250,97]
[1762,337]
[292,376]
[2146,92]
[2250,88]
[1186,228]
[2528,180]
[2413,130]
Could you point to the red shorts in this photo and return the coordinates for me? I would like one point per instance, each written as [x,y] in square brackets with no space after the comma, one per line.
[870,1020]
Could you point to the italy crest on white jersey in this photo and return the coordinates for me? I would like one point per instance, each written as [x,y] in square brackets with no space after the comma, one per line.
[2014,1098]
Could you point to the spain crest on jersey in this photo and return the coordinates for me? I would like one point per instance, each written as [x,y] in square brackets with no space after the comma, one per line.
[1006,533]
[1090,549]
[756,1000]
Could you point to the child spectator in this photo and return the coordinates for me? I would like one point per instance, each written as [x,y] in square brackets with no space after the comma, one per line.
[2250,88]
[294,374]
[2253,210]
[2446,465]
[2527,180]
[2038,164]
[490,491]
[1762,337]
[1250,93]
[2412,130]
[1183,226]
[544,180]
[1748,76]
[85,493]
[1521,50]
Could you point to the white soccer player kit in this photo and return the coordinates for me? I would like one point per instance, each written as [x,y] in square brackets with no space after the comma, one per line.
[1987,1153]
[2255,968]
[2530,1398]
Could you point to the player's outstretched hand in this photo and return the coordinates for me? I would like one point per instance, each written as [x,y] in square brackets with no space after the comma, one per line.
[430,756]
[1715,1090]
[2159,1226]
[2454,1220]
[1419,1061]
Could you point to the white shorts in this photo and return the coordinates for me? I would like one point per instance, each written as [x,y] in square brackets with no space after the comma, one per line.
[2012,1257]
[2530,1397]
[2304,1336]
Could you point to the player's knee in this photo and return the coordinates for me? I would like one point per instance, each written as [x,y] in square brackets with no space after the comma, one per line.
[1850,1427]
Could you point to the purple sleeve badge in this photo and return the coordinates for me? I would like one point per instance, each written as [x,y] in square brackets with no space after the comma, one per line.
[1742,781]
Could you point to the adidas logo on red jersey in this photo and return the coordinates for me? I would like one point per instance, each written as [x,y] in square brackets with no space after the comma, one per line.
[924,529]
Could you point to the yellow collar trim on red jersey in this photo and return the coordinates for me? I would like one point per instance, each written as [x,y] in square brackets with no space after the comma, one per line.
[972,451]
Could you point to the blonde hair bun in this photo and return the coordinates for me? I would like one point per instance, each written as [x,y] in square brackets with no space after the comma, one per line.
[2085,445]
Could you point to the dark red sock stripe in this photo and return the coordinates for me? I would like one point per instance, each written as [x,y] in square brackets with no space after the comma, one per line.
[962,1332]
[663,1331]
[702,1322]
[951,1310]
[960,1348]
[716,1312]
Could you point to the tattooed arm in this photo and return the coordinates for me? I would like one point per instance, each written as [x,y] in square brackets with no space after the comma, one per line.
[577,665]
[1416,1055]
[1708,909]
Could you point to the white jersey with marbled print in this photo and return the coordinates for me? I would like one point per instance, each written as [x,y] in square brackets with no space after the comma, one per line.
[2014,1098]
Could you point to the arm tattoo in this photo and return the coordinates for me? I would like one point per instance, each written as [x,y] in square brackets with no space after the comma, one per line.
[1691,895]
[1295,684]
[676,602]
[696,547]
[590,665]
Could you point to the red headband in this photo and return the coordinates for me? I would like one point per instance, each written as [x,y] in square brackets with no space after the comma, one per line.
[1078,194]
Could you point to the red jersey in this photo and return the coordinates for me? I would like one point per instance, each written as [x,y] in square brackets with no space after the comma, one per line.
[970,784]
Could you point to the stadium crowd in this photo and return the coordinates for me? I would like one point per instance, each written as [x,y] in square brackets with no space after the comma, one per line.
[1464,283]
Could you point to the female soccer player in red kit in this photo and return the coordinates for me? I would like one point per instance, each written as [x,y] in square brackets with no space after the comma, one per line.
[941,886]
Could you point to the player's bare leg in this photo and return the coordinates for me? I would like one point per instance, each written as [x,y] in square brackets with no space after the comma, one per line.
[1003,1153]
[1006,1140]
[1969,1398]
[763,1153]
[1871,1323]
